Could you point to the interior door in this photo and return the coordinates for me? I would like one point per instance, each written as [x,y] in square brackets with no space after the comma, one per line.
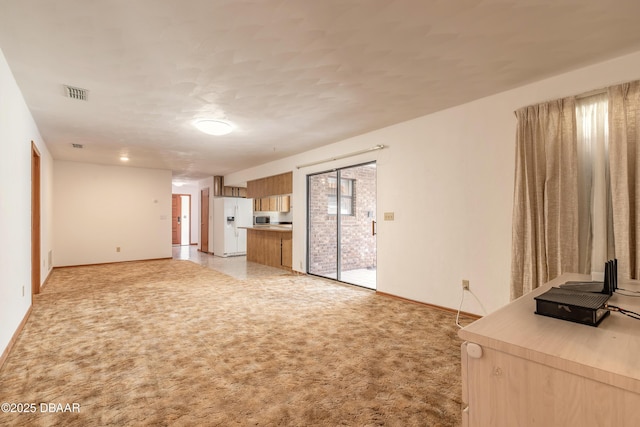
[204,220]
[342,225]
[176,209]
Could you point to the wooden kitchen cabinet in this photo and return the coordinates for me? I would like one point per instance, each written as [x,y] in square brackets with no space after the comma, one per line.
[235,192]
[284,204]
[270,186]
[283,183]
[218,186]
[272,204]
[273,248]
[263,204]
[254,189]
[286,251]
[220,190]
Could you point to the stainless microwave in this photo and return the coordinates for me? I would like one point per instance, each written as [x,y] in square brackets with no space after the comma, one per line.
[262,220]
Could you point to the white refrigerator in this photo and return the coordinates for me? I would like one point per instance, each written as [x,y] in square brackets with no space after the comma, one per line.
[229,214]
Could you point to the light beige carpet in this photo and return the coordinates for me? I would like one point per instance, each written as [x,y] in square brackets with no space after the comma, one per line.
[174,343]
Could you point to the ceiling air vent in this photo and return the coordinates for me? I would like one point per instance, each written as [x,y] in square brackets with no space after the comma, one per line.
[77,145]
[76,93]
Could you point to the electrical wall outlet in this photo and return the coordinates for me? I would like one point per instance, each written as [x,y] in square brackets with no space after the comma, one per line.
[465,284]
[117,248]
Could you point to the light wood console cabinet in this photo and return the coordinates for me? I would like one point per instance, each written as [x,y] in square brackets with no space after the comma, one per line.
[523,369]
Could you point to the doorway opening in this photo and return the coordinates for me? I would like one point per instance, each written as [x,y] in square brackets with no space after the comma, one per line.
[181,219]
[186,219]
[341,240]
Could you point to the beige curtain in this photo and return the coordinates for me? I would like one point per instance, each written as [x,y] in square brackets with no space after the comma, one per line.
[624,163]
[594,196]
[545,212]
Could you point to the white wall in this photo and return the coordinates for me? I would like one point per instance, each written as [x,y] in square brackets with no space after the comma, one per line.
[17,130]
[98,208]
[448,177]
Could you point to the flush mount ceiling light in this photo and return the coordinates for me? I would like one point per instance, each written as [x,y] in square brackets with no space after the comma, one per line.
[124,158]
[214,127]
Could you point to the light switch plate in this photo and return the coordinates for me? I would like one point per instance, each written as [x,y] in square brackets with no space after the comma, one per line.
[388,216]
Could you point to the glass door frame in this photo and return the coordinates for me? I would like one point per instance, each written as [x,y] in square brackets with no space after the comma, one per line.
[338,220]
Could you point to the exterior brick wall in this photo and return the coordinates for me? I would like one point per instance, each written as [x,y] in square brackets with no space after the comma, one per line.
[358,244]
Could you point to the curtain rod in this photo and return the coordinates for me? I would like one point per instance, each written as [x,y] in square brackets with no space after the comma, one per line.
[579,96]
[591,93]
[355,153]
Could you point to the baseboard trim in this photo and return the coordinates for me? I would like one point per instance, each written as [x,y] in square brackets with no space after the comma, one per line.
[46,280]
[14,338]
[113,262]
[437,307]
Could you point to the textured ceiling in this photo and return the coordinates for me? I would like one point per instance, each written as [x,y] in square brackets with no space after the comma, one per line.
[290,74]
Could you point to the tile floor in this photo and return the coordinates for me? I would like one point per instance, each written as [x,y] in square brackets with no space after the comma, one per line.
[240,268]
[236,266]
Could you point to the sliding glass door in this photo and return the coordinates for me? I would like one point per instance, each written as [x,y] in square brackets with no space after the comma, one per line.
[341,224]
[322,227]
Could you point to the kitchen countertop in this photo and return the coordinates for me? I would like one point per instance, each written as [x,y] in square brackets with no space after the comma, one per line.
[282,228]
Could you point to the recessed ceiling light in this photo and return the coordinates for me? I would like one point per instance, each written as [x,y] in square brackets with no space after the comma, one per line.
[214,127]
[124,159]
